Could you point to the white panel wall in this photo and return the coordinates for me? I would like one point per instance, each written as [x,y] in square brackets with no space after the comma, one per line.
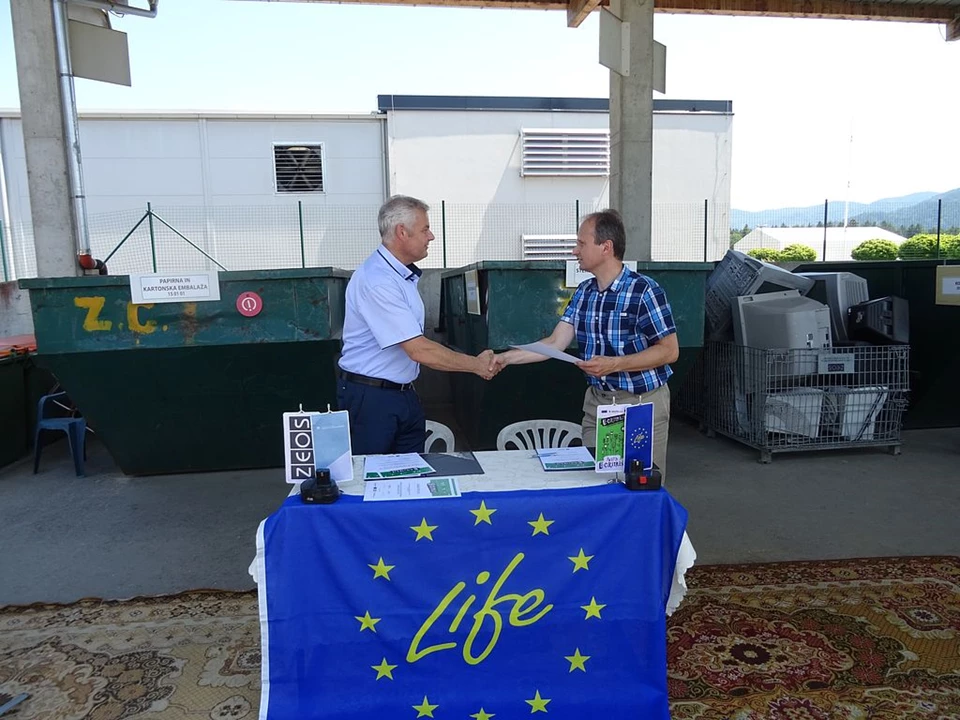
[212,179]
[472,160]
[474,157]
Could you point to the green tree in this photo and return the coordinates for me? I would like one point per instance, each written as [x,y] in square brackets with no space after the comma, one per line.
[735,237]
[875,250]
[918,247]
[765,254]
[798,253]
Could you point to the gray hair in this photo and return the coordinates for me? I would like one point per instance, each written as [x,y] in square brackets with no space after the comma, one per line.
[398,210]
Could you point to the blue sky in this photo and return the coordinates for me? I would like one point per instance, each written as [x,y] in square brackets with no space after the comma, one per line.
[799,87]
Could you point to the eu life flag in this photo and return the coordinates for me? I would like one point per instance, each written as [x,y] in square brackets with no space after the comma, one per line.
[491,605]
[638,435]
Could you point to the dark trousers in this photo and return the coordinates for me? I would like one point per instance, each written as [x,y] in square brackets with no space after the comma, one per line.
[382,421]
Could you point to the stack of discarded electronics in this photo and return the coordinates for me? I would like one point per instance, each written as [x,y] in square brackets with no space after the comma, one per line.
[801,361]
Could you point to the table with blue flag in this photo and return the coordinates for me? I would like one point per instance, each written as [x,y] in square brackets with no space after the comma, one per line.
[502,603]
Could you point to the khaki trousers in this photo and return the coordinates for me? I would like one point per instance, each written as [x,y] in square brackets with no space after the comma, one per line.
[661,417]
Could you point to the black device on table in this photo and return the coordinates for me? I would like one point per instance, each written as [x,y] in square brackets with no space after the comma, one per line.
[638,478]
[320,489]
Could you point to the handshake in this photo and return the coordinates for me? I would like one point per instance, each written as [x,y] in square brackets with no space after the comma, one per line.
[488,364]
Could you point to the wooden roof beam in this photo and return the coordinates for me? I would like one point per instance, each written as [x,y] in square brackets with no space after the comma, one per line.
[953,29]
[835,9]
[578,10]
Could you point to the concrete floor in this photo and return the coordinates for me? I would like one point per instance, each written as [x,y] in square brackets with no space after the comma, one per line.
[112,536]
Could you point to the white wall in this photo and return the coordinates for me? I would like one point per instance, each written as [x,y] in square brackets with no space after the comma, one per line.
[211,177]
[472,159]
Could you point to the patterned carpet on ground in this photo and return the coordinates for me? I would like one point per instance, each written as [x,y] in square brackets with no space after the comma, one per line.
[875,638]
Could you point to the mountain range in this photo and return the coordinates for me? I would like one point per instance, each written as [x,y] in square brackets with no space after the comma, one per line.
[905,211]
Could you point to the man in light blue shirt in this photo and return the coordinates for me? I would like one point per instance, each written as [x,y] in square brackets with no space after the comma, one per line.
[383,342]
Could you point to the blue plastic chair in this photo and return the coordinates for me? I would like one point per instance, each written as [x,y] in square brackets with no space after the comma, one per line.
[74,427]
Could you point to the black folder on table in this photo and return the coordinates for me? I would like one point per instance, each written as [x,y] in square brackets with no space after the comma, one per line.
[452,464]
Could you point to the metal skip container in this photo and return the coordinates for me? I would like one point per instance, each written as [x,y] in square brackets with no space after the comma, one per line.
[193,386]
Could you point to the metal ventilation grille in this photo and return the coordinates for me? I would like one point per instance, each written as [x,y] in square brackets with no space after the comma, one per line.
[298,168]
[565,152]
[548,247]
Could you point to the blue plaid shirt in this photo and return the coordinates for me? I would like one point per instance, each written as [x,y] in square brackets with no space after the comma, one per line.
[626,318]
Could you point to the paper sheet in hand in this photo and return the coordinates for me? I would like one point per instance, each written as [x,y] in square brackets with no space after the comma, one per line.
[568,458]
[410,489]
[384,467]
[544,349]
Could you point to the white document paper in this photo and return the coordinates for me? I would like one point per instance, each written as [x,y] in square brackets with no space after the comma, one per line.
[544,349]
[410,489]
[568,458]
[395,466]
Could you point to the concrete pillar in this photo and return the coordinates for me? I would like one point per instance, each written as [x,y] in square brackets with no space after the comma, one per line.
[631,129]
[43,138]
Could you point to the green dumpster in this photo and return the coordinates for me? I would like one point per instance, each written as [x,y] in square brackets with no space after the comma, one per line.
[934,334]
[192,386]
[13,408]
[521,302]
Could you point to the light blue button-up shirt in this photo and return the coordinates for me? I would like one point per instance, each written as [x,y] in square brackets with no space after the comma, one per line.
[383,309]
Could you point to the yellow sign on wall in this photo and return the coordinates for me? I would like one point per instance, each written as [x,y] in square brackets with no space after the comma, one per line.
[948,285]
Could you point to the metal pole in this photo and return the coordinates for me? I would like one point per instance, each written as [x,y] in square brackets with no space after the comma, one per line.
[443,229]
[939,216]
[577,211]
[153,240]
[826,207]
[303,255]
[3,254]
[71,127]
[705,210]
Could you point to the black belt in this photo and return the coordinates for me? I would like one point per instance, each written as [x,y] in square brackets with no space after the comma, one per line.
[374,382]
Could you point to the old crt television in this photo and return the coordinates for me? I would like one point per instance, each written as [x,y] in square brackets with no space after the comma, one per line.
[781,320]
[838,290]
[884,321]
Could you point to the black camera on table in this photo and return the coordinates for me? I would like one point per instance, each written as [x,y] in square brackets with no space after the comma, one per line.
[320,489]
[640,478]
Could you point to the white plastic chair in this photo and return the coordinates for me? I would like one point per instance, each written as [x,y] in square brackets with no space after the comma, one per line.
[534,434]
[438,432]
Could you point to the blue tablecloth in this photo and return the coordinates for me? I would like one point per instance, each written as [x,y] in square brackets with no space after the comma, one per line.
[505,604]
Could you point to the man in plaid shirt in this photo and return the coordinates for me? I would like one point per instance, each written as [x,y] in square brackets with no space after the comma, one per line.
[624,328]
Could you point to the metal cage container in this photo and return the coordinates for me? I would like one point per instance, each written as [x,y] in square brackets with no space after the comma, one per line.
[791,400]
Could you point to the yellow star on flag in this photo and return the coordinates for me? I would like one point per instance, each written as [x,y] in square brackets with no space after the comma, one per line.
[367,622]
[581,561]
[593,609]
[483,514]
[538,703]
[425,709]
[540,526]
[577,660]
[384,669]
[381,570]
[482,715]
[423,530]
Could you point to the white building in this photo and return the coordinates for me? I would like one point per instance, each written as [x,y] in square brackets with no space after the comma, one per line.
[269,191]
[840,241]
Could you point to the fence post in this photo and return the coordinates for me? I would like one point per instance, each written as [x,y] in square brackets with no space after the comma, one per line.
[826,207]
[303,255]
[705,210]
[153,240]
[3,253]
[443,230]
[939,215]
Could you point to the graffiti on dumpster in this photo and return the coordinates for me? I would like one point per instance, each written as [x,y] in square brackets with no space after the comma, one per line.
[93,320]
